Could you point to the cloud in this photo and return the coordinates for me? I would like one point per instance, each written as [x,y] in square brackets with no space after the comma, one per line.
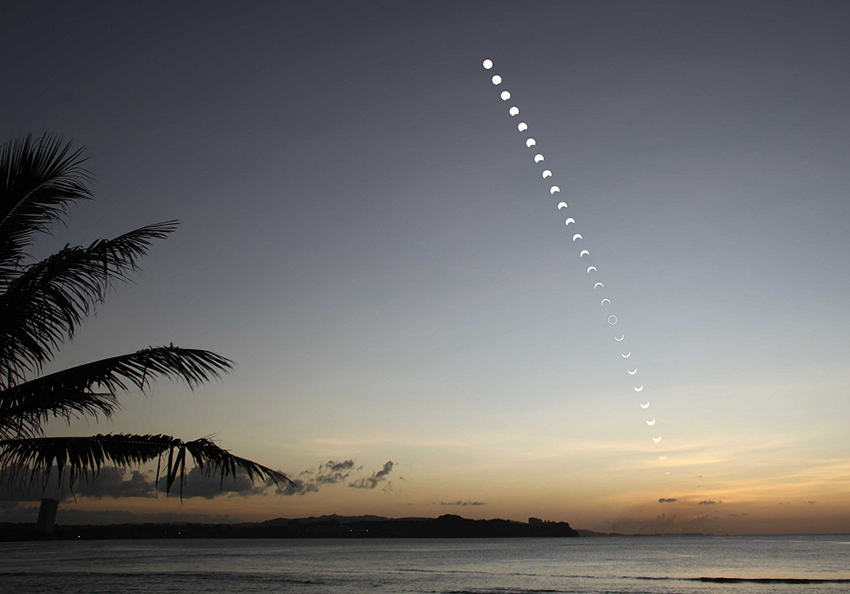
[112,482]
[21,488]
[297,487]
[199,484]
[328,473]
[109,482]
[332,472]
[121,482]
[463,503]
[69,516]
[662,524]
[376,478]
[811,502]
[667,500]
[710,502]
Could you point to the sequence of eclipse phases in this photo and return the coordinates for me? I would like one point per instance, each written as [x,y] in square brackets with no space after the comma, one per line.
[578,240]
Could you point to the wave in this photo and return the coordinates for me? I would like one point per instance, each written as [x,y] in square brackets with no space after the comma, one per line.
[502,591]
[172,576]
[732,580]
[754,580]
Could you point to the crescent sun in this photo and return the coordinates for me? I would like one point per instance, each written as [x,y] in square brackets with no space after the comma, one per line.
[546,174]
[538,157]
[662,457]
[632,371]
[651,423]
[620,339]
[562,205]
[577,236]
[627,355]
[644,406]
[604,301]
[597,285]
[554,189]
[591,269]
[657,439]
[583,253]
[639,389]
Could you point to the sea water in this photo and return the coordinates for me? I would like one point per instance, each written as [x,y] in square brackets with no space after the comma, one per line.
[686,565]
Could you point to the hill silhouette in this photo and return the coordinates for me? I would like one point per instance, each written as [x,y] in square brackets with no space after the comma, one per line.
[333,526]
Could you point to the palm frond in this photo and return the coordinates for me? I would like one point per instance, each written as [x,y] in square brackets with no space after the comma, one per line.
[25,418]
[39,179]
[74,458]
[45,304]
[89,389]
[41,307]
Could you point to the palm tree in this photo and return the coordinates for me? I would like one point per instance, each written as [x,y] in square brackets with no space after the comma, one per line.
[41,306]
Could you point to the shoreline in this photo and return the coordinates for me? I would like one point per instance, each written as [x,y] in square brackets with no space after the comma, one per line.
[334,527]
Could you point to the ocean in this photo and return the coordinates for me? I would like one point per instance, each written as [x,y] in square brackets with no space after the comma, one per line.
[651,565]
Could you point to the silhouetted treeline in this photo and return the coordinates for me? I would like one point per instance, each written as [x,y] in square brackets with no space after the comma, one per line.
[447,526]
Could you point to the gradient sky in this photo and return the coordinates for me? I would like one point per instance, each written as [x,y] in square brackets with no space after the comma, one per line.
[364,232]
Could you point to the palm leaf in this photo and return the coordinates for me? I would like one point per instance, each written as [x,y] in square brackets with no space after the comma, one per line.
[89,390]
[74,458]
[41,306]
[45,304]
[39,179]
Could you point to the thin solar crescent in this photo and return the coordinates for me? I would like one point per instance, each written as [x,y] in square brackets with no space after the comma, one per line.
[497,80]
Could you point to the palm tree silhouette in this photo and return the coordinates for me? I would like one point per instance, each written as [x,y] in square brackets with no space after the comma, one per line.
[41,306]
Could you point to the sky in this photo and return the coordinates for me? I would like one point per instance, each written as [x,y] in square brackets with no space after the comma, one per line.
[364,231]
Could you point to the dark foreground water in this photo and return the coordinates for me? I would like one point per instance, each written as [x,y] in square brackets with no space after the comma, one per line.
[683,565]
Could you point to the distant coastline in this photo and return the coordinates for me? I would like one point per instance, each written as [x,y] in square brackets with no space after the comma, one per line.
[446,526]
[331,526]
